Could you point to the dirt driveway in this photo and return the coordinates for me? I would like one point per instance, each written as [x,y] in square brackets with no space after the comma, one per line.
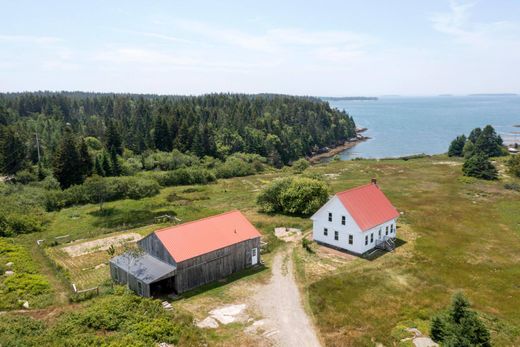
[280,303]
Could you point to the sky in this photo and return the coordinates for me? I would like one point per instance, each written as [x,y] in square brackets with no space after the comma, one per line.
[325,48]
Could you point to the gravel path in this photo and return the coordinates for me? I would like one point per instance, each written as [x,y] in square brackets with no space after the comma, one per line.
[280,302]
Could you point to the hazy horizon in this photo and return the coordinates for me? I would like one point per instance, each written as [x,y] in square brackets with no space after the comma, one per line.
[341,48]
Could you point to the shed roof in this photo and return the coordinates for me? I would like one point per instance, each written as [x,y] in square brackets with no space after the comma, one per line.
[205,235]
[144,267]
[368,205]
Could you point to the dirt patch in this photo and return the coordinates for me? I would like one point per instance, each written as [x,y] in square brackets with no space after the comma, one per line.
[449,163]
[88,247]
[288,234]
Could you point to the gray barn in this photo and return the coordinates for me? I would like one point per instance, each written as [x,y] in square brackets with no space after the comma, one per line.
[183,257]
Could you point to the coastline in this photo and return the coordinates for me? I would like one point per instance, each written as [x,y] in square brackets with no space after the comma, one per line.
[331,152]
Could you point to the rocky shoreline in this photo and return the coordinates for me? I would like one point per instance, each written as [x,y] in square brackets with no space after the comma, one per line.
[331,152]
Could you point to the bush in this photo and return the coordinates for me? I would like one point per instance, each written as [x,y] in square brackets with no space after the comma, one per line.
[457,146]
[101,189]
[479,166]
[12,223]
[26,176]
[296,196]
[512,186]
[513,165]
[300,165]
[184,176]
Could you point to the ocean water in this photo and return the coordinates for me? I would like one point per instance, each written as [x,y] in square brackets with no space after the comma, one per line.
[401,126]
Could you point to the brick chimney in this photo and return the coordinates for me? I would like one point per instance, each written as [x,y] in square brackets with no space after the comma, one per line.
[374,181]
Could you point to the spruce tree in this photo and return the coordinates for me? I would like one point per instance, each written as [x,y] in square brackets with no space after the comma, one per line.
[105,164]
[489,142]
[67,162]
[114,138]
[479,166]
[114,160]
[13,152]
[98,167]
[86,160]
[457,146]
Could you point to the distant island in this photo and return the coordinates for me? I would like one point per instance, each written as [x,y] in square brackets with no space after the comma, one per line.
[348,98]
[493,94]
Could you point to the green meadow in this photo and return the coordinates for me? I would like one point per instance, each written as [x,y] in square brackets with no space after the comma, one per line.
[456,234]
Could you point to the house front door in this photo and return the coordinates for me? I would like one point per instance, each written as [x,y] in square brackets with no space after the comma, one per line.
[254,256]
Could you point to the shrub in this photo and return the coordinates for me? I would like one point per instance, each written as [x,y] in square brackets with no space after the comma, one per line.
[26,176]
[300,165]
[269,199]
[307,245]
[479,166]
[513,165]
[512,186]
[296,196]
[184,176]
[304,196]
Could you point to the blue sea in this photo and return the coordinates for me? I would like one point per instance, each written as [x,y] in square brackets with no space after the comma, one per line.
[400,126]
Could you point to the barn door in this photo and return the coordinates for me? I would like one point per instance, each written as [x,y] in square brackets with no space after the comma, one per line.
[254,256]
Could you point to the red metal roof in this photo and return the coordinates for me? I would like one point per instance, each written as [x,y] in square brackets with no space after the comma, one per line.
[205,235]
[368,205]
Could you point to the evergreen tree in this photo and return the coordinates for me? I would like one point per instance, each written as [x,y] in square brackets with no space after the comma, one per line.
[474,135]
[161,135]
[98,167]
[468,150]
[479,166]
[114,138]
[106,165]
[13,151]
[67,162]
[489,142]
[114,160]
[457,146]
[86,160]
[460,326]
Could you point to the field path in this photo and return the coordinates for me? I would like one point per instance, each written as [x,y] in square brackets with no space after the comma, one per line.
[280,302]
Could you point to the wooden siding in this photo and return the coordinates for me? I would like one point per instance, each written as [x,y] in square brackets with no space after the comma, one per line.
[153,246]
[120,276]
[215,265]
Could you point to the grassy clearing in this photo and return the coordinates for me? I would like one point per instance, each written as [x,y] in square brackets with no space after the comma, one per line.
[458,233]
[459,236]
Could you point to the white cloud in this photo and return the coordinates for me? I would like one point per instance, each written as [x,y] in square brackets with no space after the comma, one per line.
[458,24]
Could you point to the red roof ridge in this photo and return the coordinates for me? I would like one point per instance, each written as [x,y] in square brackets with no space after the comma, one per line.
[197,220]
[356,188]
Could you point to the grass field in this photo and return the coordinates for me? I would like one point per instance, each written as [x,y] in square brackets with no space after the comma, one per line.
[459,234]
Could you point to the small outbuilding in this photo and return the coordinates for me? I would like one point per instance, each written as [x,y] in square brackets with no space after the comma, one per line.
[357,220]
[183,257]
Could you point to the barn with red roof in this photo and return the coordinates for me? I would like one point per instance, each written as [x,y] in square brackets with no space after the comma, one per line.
[183,257]
[357,220]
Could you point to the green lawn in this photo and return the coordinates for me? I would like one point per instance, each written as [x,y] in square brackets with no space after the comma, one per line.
[458,234]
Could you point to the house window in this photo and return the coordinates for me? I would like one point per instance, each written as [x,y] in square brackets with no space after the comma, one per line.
[387,230]
[379,232]
[140,288]
[116,274]
[350,239]
[366,240]
[336,235]
[391,229]
[330,216]
[372,238]
[343,220]
[325,231]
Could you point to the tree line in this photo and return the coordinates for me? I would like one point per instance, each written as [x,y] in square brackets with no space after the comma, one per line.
[56,130]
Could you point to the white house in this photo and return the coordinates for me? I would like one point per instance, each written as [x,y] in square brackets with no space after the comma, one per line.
[357,220]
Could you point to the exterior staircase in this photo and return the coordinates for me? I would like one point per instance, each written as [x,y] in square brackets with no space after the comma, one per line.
[386,243]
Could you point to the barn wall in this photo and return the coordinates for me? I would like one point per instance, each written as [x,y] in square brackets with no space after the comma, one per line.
[215,265]
[153,246]
[122,276]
